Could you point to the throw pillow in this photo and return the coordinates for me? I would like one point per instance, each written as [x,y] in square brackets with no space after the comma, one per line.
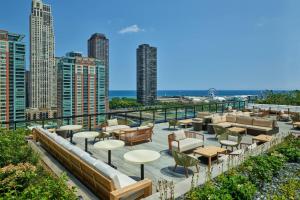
[179,135]
[112,122]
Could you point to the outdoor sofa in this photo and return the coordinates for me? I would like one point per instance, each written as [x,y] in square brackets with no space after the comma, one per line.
[185,140]
[105,181]
[254,126]
[112,125]
[137,134]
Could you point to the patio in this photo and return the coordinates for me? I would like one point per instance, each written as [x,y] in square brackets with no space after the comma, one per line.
[163,167]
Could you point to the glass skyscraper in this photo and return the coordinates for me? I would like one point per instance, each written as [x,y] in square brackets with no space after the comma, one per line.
[146,74]
[98,47]
[81,87]
[42,61]
[12,77]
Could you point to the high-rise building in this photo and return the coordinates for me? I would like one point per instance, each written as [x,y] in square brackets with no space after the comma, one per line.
[81,88]
[146,74]
[12,77]
[27,88]
[98,47]
[42,61]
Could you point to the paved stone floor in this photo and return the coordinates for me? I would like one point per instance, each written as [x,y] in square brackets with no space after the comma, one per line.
[162,168]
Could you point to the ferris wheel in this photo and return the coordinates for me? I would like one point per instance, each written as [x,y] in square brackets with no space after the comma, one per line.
[212,92]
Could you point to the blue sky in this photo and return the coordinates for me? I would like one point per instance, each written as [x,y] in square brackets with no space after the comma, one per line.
[230,44]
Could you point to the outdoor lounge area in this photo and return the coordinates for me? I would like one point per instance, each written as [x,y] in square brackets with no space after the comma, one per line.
[151,159]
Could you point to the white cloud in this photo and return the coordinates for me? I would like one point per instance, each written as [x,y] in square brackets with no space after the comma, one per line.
[131,29]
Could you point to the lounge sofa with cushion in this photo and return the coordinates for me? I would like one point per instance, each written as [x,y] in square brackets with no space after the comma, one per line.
[254,126]
[185,140]
[113,125]
[105,181]
[139,134]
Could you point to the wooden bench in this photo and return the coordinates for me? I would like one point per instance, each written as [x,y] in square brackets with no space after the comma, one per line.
[102,186]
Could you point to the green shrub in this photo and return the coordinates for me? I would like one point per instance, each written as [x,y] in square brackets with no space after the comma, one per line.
[14,149]
[238,186]
[21,177]
[14,178]
[208,192]
[288,190]
[290,148]
[261,168]
[226,186]
[49,188]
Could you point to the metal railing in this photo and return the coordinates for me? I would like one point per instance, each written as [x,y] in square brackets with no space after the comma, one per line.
[135,117]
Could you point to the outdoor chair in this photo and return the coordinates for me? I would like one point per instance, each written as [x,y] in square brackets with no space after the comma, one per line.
[185,140]
[296,119]
[281,116]
[219,130]
[102,135]
[173,122]
[185,161]
[230,139]
[244,147]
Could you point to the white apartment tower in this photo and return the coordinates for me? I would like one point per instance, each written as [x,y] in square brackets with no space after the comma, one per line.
[43,85]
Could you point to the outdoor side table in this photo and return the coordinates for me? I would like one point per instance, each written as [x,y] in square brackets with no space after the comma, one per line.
[86,135]
[185,122]
[209,152]
[197,125]
[109,145]
[262,138]
[141,157]
[71,128]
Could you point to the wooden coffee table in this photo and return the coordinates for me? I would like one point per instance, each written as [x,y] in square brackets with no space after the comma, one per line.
[185,122]
[262,138]
[296,125]
[209,152]
[238,130]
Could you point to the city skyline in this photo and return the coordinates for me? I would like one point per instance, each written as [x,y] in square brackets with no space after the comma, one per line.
[248,38]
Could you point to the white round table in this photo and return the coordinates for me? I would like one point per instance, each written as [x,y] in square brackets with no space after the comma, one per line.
[141,157]
[86,135]
[109,145]
[71,128]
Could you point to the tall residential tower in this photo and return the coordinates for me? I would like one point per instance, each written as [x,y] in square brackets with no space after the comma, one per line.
[12,77]
[81,88]
[146,74]
[98,47]
[42,60]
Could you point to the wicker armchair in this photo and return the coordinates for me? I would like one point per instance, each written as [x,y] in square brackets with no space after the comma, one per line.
[230,139]
[186,161]
[219,130]
[173,122]
[296,119]
[192,140]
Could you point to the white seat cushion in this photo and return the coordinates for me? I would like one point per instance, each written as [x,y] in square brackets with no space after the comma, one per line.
[119,179]
[224,124]
[187,144]
[113,128]
[89,159]
[78,152]
[228,143]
